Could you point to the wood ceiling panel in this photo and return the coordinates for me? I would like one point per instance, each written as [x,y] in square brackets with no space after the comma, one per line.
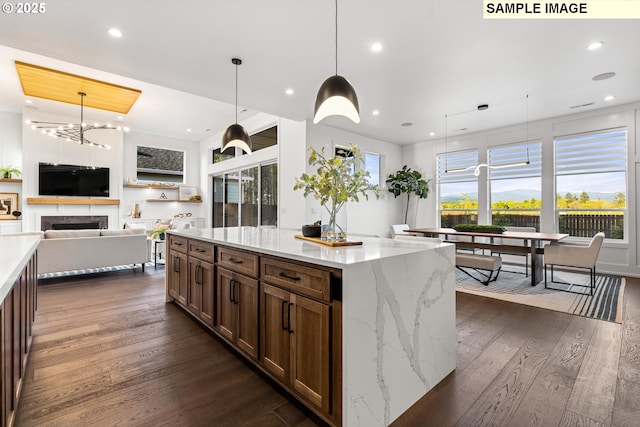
[56,85]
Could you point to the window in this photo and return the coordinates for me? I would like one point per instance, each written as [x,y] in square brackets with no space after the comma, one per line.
[263,139]
[372,165]
[248,197]
[220,156]
[591,183]
[160,164]
[457,188]
[515,191]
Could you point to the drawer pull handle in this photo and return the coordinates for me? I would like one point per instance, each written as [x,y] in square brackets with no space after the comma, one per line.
[289,277]
[200,250]
[177,243]
[235,261]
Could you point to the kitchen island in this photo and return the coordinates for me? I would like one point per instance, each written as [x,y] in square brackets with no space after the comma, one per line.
[357,333]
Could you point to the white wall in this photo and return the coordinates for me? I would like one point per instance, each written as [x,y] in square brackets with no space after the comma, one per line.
[10,140]
[615,257]
[368,216]
[151,210]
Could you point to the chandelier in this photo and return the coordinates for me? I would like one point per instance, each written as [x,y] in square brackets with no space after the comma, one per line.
[77,132]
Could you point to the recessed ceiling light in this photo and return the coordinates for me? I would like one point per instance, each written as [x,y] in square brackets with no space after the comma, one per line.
[609,98]
[289,91]
[595,45]
[114,32]
[375,112]
[28,101]
[376,47]
[603,76]
[189,130]
[119,118]
[406,124]
[432,134]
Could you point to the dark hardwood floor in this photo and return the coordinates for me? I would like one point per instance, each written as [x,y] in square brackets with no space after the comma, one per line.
[108,351]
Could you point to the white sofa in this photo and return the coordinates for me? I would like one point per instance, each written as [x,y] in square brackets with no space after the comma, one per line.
[66,250]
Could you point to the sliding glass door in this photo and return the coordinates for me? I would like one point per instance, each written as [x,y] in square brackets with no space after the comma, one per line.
[247,197]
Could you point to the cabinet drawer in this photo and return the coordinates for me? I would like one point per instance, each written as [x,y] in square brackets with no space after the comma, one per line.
[235,260]
[311,281]
[177,243]
[201,250]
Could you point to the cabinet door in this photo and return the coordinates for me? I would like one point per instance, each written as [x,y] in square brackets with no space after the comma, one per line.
[275,339]
[206,288]
[194,295]
[246,298]
[225,308]
[178,273]
[310,350]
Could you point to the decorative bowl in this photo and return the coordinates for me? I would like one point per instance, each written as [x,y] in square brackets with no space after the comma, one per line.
[311,230]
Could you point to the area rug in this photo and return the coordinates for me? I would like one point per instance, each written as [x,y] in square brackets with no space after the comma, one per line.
[512,285]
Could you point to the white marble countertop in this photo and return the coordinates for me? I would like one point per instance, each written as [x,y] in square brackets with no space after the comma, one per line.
[283,243]
[15,252]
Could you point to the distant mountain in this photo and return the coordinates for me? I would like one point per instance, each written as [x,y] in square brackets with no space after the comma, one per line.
[524,194]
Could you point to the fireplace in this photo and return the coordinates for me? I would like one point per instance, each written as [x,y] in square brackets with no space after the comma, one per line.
[73,222]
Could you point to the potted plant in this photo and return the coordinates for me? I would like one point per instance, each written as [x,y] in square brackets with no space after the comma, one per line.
[8,172]
[407,181]
[159,230]
[337,180]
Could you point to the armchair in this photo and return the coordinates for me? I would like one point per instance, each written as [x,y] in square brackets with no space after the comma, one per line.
[576,256]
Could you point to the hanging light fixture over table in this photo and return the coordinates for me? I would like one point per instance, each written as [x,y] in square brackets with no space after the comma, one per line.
[336,96]
[236,135]
[476,168]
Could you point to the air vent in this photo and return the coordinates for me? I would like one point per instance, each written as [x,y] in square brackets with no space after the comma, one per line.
[573,107]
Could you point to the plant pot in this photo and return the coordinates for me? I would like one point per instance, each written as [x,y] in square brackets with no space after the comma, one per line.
[311,230]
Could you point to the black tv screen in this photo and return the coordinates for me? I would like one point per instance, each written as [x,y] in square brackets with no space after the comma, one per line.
[73,180]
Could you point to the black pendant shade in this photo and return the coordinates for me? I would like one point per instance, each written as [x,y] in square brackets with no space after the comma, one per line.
[236,135]
[336,96]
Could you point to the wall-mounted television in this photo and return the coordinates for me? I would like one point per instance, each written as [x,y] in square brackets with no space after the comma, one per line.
[73,180]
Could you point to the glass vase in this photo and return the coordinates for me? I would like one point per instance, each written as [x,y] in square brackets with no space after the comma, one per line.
[334,222]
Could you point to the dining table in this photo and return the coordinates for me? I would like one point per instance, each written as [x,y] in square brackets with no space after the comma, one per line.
[533,243]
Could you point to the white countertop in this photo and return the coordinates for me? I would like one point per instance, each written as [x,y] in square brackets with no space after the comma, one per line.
[15,252]
[283,243]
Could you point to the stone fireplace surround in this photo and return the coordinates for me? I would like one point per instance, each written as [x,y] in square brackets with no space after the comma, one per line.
[62,222]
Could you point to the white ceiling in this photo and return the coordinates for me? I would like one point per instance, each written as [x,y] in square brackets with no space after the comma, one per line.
[439,58]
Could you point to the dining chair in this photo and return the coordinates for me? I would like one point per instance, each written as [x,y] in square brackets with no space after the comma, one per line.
[575,256]
[516,242]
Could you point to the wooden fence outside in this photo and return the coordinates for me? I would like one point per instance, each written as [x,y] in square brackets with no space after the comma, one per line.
[577,224]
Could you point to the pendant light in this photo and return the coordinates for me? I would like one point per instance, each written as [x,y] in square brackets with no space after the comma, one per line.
[236,135]
[336,96]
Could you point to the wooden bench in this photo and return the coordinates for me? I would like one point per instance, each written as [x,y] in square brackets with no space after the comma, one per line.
[481,264]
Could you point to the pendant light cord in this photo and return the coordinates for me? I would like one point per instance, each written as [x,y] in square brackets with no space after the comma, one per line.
[82,95]
[236,92]
[336,37]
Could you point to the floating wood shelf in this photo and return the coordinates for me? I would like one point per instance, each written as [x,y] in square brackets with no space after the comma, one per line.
[68,201]
[10,180]
[169,200]
[154,186]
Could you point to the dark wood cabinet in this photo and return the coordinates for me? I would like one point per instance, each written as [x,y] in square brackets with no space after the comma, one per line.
[237,310]
[17,313]
[296,343]
[177,272]
[201,288]
[277,312]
